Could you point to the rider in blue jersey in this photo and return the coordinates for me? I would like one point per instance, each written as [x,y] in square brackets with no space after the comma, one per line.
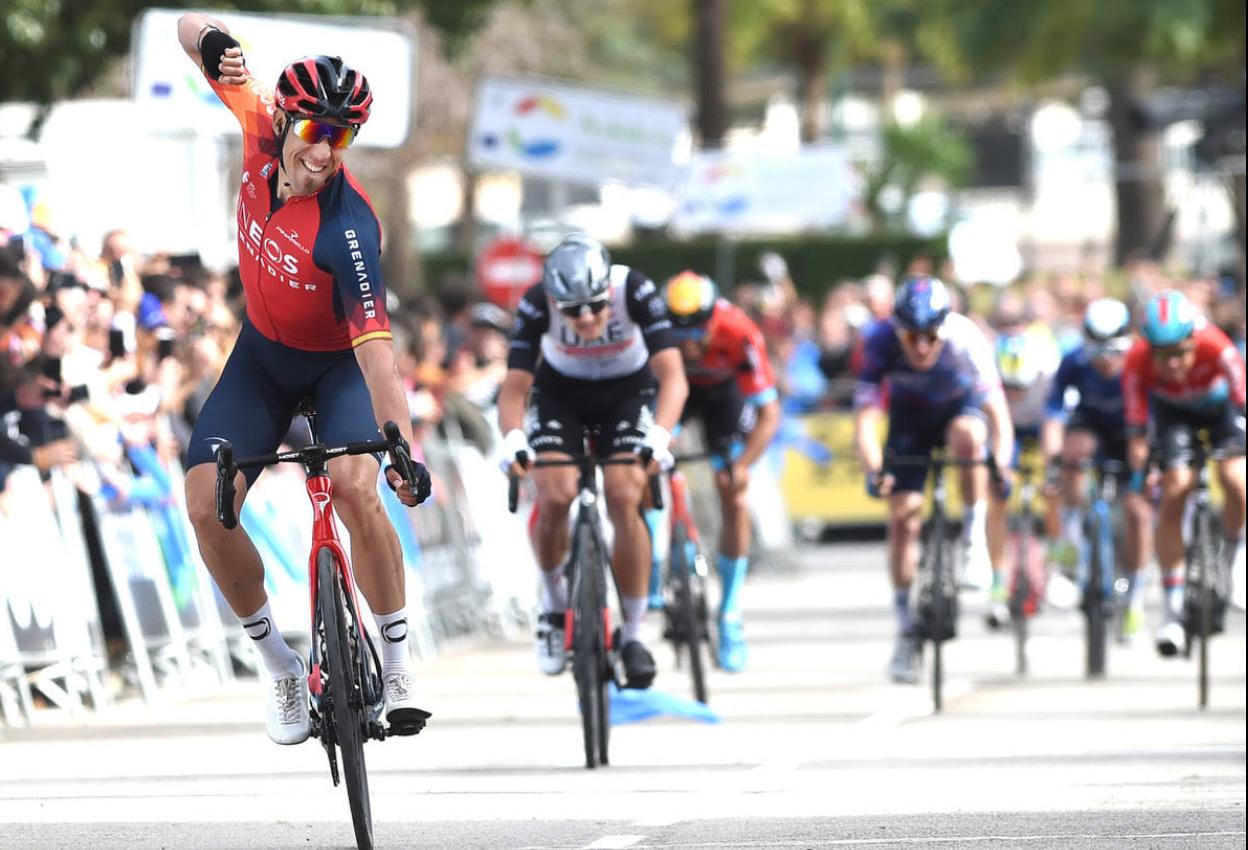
[937,370]
[1085,418]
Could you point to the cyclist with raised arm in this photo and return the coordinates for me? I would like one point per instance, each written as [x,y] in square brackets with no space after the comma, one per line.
[309,249]
[1183,376]
[1085,419]
[591,348]
[1027,359]
[733,392]
[943,390]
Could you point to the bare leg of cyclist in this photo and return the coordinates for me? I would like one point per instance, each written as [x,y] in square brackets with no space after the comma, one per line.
[556,488]
[1000,552]
[624,487]
[904,520]
[1176,484]
[377,560]
[966,438]
[732,564]
[236,567]
[1136,546]
[1231,476]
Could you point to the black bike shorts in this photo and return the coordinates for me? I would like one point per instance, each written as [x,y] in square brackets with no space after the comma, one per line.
[1111,435]
[617,412]
[913,431]
[261,386]
[726,416]
[1172,432]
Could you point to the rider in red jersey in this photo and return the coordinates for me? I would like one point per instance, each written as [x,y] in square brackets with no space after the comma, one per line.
[1184,376]
[733,391]
[316,326]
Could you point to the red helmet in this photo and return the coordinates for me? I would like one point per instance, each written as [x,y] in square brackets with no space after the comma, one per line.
[324,87]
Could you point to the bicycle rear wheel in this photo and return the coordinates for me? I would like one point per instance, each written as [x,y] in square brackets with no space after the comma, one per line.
[1202,568]
[589,647]
[1094,598]
[1019,594]
[690,624]
[344,695]
[939,610]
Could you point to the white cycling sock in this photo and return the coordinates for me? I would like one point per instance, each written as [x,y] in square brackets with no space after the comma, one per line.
[279,659]
[554,590]
[1136,584]
[975,523]
[634,617]
[393,630]
[1072,526]
[1173,582]
[901,607]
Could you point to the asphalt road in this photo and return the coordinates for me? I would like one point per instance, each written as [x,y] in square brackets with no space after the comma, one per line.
[814,748]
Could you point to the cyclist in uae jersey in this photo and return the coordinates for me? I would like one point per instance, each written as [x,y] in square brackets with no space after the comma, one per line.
[943,389]
[733,392]
[1085,419]
[1184,376]
[591,342]
[316,326]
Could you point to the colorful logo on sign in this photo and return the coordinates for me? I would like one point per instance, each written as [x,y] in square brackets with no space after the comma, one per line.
[533,135]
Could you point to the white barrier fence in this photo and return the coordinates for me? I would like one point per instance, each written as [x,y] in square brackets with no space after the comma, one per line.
[469,572]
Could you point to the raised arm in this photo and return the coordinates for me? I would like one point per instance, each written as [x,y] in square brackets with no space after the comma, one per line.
[211,47]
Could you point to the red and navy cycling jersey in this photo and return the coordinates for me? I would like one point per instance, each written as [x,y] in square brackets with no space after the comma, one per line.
[734,349]
[311,267]
[1216,378]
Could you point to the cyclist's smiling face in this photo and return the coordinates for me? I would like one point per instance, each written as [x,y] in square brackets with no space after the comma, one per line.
[309,166]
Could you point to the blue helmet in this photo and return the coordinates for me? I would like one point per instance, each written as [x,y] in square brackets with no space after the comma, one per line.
[922,303]
[1169,319]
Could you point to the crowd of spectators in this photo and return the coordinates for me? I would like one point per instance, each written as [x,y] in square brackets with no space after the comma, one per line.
[106,353]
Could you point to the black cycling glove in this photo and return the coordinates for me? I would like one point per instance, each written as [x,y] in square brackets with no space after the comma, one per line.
[211,47]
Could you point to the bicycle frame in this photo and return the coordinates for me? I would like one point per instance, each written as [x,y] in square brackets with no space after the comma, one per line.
[325,536]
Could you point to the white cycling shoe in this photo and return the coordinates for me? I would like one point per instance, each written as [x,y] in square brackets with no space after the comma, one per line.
[1170,639]
[552,658]
[287,720]
[403,715]
[976,566]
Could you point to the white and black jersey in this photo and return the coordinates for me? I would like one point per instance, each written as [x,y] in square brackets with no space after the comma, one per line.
[603,387]
[637,328]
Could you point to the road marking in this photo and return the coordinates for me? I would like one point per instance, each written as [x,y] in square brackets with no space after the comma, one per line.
[614,842]
[952,839]
[911,704]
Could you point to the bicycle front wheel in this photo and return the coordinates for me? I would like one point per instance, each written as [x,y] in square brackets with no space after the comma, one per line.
[589,647]
[691,629]
[1202,568]
[344,694]
[939,608]
[1020,593]
[1094,597]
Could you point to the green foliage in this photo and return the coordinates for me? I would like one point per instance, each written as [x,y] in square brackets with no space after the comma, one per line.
[1180,39]
[817,262]
[926,149]
[55,49]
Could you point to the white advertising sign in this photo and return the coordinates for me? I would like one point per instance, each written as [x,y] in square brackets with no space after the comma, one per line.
[575,134]
[743,191]
[165,77]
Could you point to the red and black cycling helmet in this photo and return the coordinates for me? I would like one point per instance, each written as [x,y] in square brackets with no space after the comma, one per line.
[326,88]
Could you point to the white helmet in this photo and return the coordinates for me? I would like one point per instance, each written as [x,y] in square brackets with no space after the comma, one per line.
[1107,326]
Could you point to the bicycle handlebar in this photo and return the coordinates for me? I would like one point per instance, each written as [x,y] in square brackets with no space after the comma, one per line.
[643,457]
[228,467]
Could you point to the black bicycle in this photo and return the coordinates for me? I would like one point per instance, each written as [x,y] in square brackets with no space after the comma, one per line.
[344,681]
[1099,597]
[1208,582]
[588,635]
[936,599]
[1026,581]
[686,614]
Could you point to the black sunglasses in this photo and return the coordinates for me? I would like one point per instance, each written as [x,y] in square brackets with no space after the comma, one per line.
[573,311]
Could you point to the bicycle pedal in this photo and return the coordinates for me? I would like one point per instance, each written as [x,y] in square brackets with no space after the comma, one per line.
[406,721]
